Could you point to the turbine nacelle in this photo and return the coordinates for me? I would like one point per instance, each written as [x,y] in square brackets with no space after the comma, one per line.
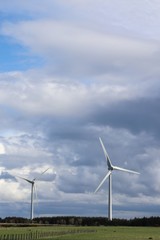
[110,168]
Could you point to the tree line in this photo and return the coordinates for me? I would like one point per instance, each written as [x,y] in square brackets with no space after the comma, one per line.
[83,221]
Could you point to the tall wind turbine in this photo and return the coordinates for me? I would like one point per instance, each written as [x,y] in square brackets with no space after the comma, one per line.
[32,182]
[111,167]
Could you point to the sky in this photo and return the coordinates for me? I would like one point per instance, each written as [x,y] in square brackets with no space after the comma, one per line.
[71,72]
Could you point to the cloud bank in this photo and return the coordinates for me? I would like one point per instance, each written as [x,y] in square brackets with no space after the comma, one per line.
[90,70]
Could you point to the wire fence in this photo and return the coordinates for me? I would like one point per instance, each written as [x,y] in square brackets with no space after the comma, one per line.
[40,235]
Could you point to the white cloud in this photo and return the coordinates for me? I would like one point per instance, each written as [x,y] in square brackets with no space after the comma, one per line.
[62,97]
[51,37]
[2,149]
[11,191]
[136,18]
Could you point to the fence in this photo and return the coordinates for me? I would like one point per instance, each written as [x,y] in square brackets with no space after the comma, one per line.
[40,235]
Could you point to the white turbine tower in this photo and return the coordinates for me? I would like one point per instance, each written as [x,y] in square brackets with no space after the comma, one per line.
[32,182]
[111,167]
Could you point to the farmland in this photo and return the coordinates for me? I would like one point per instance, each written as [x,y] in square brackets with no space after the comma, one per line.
[79,233]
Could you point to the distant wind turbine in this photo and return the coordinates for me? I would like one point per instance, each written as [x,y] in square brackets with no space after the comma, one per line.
[32,182]
[111,167]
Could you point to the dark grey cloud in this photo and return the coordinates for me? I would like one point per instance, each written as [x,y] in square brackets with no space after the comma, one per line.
[6,176]
[55,208]
[74,209]
[135,115]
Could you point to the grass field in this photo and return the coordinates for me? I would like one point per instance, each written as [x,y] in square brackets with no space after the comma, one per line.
[88,233]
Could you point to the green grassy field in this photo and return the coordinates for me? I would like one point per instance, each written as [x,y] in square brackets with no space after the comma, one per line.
[88,233]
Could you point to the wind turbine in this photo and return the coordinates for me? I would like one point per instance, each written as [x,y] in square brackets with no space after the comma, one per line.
[32,182]
[111,167]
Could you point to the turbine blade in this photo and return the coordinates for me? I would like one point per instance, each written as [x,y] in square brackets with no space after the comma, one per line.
[106,154]
[124,170]
[25,179]
[40,174]
[107,175]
